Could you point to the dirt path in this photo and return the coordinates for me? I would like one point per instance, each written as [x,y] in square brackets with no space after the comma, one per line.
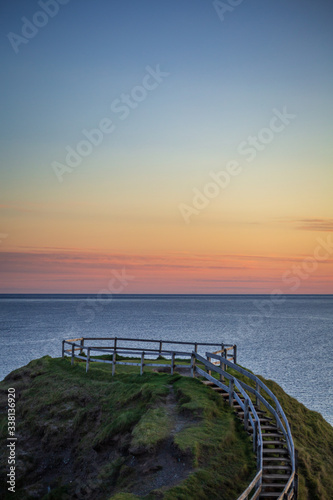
[167,466]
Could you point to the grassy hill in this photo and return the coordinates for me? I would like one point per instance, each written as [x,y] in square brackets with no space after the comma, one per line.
[154,436]
[95,436]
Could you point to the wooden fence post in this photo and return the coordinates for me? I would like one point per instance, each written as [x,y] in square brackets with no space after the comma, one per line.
[209,371]
[258,455]
[172,362]
[259,483]
[221,376]
[226,357]
[193,359]
[88,359]
[224,366]
[231,392]
[142,364]
[161,346]
[115,343]
[258,391]
[82,345]
[246,414]
[72,360]
[196,348]
[255,437]
[114,360]
[63,349]
[235,354]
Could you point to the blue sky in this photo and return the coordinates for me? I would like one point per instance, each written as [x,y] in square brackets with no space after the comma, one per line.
[234,72]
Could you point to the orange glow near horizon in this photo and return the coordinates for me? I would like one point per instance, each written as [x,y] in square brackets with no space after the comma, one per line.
[75,271]
[71,251]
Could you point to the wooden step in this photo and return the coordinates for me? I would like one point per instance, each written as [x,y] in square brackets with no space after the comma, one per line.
[265,443]
[275,451]
[261,414]
[274,486]
[281,441]
[270,494]
[275,476]
[277,467]
[277,459]
[272,434]
[270,427]
[263,421]
[263,418]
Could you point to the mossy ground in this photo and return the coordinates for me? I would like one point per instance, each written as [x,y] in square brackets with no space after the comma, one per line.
[129,436]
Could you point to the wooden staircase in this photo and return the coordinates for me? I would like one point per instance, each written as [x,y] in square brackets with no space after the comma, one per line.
[276,460]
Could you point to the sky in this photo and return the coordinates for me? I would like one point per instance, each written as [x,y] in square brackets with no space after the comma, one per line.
[166,147]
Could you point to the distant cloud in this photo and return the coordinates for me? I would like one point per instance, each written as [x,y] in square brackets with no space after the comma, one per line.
[322,224]
[72,261]
[314,224]
[49,262]
[60,270]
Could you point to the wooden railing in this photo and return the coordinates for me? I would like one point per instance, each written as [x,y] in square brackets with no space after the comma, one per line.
[235,390]
[71,347]
[290,490]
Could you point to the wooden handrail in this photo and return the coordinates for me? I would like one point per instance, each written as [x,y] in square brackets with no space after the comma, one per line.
[278,412]
[157,341]
[250,487]
[125,350]
[254,421]
[135,351]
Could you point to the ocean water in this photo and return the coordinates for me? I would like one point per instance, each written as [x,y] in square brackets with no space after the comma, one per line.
[289,341]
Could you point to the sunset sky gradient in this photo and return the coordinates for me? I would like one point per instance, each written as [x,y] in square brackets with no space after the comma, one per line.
[268,228]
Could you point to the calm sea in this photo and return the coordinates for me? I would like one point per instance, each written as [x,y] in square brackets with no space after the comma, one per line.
[290,341]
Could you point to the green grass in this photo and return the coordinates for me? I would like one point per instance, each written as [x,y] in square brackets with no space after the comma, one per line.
[77,432]
[154,427]
[221,450]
